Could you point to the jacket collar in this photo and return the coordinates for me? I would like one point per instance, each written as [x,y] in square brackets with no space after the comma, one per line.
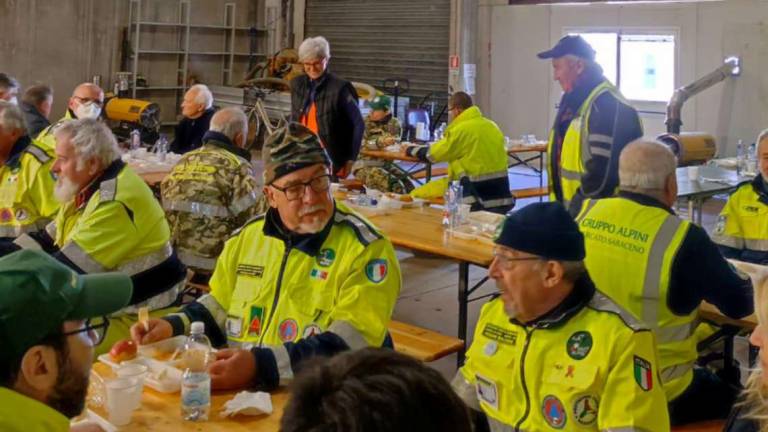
[310,244]
[761,188]
[222,141]
[14,157]
[645,200]
[111,172]
[583,290]
[470,113]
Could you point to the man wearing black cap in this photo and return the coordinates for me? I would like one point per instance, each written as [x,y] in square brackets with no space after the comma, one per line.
[310,277]
[553,352]
[50,320]
[593,124]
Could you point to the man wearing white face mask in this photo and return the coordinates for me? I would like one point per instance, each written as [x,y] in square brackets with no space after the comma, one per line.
[9,88]
[86,103]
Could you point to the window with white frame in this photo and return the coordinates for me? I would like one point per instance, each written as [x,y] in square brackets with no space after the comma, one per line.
[640,64]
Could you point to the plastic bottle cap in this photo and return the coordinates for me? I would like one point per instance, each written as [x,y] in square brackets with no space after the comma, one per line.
[198,327]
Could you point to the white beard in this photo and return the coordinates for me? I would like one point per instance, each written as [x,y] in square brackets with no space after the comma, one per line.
[65,190]
[315,225]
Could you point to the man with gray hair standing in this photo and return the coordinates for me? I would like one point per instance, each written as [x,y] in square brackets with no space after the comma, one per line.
[592,126]
[197,109]
[109,221]
[660,268]
[327,105]
[26,182]
[211,192]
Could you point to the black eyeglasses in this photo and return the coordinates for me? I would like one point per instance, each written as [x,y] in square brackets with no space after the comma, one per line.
[293,192]
[96,329]
[506,262]
[83,100]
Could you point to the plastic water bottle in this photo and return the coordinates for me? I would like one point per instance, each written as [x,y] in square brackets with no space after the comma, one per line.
[196,382]
[740,162]
[162,148]
[451,208]
[135,139]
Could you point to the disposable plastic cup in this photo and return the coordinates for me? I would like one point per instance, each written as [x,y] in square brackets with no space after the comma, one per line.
[134,371]
[120,394]
[464,213]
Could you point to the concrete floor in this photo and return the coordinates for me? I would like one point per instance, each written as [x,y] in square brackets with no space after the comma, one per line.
[429,294]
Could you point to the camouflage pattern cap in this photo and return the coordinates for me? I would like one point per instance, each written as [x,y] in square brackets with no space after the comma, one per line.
[380,103]
[290,149]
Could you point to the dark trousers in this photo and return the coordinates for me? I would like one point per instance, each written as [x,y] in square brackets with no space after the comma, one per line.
[708,397]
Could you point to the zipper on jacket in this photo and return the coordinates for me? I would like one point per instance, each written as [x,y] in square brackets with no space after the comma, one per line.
[522,379]
[277,294]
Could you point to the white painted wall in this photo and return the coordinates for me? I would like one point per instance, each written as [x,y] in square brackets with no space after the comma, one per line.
[516,89]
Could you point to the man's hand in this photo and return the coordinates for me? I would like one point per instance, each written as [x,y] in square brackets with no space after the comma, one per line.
[234,369]
[345,170]
[388,141]
[159,329]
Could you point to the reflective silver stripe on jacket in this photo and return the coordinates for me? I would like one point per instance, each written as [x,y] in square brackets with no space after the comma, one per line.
[80,258]
[283,361]
[24,241]
[730,241]
[218,313]
[51,230]
[756,244]
[244,203]
[197,208]
[108,190]
[191,259]
[146,262]
[570,175]
[17,230]
[351,336]
[498,426]
[672,372]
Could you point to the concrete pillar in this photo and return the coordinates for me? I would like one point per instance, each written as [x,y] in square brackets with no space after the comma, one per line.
[463,46]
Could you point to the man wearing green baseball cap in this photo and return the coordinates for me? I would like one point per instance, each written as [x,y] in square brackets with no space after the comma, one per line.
[382,130]
[50,320]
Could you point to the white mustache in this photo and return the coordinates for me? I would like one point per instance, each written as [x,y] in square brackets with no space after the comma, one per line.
[306,210]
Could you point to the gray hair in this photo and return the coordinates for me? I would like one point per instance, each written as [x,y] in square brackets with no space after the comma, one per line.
[91,139]
[11,117]
[644,166]
[314,48]
[230,121]
[763,136]
[572,270]
[203,95]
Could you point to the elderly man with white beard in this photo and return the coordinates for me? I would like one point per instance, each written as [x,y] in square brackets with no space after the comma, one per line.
[109,221]
[308,278]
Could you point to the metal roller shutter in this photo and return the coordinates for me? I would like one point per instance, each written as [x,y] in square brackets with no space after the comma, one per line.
[372,40]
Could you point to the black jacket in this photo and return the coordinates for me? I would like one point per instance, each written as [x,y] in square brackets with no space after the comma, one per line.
[738,424]
[36,122]
[340,124]
[189,132]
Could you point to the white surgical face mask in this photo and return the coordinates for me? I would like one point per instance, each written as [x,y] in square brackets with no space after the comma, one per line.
[87,111]
[14,100]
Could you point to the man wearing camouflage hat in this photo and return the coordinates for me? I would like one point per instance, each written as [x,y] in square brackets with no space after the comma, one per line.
[211,192]
[382,129]
[50,320]
[553,352]
[308,278]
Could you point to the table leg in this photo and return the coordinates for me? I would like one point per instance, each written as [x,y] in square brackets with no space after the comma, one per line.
[463,300]
[541,173]
[428,167]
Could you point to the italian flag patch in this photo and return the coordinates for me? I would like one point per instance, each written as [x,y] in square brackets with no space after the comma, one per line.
[376,270]
[318,274]
[643,373]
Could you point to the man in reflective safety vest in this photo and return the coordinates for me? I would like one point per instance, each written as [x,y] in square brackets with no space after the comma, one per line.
[473,146]
[26,182]
[211,192]
[660,268]
[109,221]
[742,227]
[308,278]
[592,125]
[553,352]
[86,102]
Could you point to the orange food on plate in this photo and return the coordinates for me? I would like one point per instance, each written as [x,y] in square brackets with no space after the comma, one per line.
[123,350]
[399,197]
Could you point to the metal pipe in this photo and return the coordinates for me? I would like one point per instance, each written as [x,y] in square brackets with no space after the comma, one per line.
[730,67]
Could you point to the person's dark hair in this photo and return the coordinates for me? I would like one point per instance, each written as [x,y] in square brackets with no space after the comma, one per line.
[37,94]
[373,390]
[9,369]
[460,100]
[7,81]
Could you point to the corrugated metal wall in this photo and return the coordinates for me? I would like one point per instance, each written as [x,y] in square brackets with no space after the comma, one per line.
[372,40]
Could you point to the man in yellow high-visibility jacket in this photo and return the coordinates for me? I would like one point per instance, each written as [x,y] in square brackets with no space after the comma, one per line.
[660,268]
[592,125]
[553,352]
[473,146]
[742,227]
[26,182]
[86,102]
[308,278]
[109,221]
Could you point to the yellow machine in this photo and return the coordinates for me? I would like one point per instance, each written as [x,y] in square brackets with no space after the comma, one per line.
[136,112]
[691,148]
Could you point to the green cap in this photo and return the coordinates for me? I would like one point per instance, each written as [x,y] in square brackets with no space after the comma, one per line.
[38,294]
[380,103]
[290,149]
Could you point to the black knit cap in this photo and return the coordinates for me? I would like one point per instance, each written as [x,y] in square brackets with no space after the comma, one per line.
[545,230]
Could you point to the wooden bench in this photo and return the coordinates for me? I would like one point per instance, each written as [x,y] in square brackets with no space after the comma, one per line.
[422,344]
[436,172]
[707,426]
[531,192]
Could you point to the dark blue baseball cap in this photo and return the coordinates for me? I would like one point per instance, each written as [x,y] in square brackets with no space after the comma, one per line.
[573,45]
[543,229]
